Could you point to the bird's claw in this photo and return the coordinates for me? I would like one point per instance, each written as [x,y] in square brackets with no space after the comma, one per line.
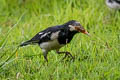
[68,54]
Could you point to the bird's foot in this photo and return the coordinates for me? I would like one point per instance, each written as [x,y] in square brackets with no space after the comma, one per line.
[68,54]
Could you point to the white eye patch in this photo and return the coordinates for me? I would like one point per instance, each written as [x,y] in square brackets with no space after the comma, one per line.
[72,28]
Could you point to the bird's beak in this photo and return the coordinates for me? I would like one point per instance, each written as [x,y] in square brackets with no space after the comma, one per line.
[85,32]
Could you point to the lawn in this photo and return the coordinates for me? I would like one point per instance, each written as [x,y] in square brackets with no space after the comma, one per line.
[96,57]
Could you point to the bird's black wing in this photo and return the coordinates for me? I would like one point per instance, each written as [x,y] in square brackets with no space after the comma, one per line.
[48,34]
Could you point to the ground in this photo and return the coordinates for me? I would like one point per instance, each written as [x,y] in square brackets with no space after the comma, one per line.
[96,57]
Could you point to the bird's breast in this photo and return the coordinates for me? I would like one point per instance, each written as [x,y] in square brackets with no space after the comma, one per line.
[51,45]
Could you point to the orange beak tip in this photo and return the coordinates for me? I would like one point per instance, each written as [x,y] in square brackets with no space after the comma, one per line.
[86,33]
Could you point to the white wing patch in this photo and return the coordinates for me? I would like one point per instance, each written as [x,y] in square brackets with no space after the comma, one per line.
[55,35]
[45,34]
[40,33]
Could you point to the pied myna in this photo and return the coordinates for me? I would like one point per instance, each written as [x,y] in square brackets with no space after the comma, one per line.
[53,38]
[114,4]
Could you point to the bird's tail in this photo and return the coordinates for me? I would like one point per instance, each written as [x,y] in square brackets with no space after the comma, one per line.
[25,43]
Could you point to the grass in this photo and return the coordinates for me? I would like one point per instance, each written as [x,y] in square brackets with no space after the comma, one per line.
[96,57]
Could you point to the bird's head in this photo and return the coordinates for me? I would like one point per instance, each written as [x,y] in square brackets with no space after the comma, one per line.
[75,26]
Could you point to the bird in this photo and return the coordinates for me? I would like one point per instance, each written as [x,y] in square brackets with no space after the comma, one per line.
[55,37]
[113,4]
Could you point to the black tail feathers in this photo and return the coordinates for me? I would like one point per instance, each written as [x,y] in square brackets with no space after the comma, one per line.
[25,43]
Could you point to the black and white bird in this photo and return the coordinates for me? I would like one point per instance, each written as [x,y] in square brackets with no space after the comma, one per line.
[53,38]
[114,4]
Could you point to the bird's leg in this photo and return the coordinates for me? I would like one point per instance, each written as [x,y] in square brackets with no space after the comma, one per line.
[45,54]
[45,57]
[66,54]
